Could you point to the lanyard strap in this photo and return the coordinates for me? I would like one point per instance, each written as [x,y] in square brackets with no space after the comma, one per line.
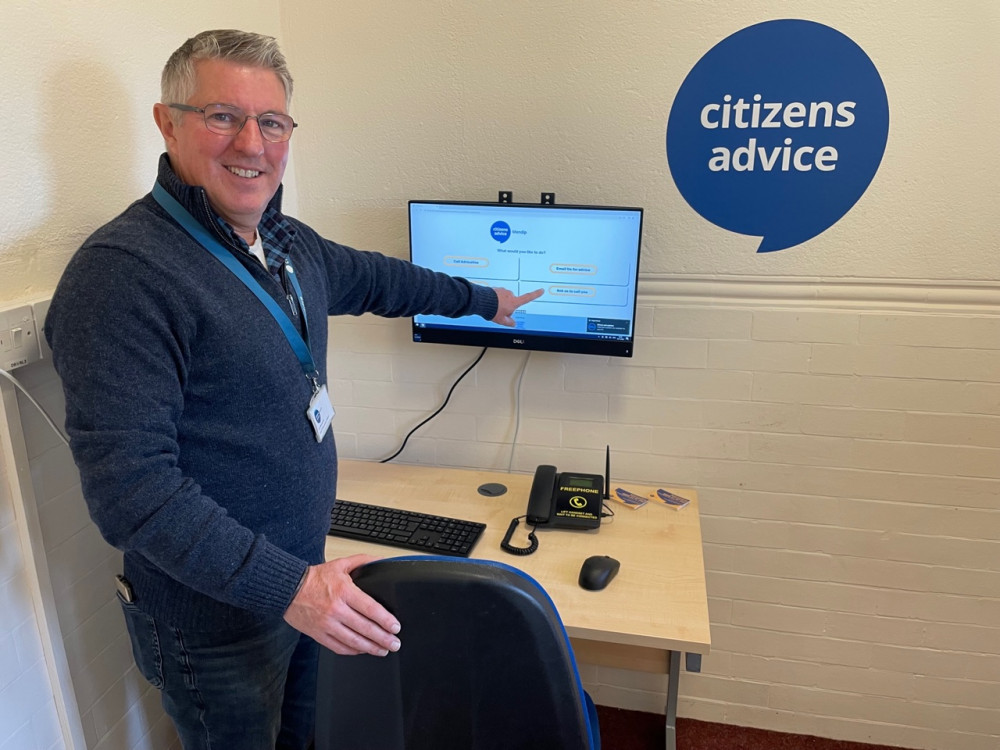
[210,243]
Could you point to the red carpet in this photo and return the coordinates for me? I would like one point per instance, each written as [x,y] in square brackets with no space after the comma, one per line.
[636,730]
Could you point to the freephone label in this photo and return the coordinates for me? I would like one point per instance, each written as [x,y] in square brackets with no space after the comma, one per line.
[778,131]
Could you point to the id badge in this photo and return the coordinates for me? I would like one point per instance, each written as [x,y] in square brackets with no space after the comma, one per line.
[320,413]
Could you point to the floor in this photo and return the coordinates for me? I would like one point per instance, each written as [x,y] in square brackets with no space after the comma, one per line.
[635,730]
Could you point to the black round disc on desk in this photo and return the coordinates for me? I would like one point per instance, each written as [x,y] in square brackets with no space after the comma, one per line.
[492,489]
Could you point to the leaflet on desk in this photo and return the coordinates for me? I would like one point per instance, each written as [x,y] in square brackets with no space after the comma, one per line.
[634,500]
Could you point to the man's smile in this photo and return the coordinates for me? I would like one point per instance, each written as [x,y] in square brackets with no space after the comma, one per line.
[243,172]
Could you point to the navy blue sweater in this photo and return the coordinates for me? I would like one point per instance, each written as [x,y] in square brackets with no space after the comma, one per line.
[185,404]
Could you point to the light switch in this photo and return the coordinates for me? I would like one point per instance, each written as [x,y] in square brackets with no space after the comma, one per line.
[18,337]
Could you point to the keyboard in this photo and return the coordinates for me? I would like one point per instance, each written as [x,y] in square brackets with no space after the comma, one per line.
[408,529]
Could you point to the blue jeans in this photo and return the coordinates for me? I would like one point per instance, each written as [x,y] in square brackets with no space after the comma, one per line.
[253,688]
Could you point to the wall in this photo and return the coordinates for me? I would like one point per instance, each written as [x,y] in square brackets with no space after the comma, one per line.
[82,78]
[836,404]
[88,659]
[29,715]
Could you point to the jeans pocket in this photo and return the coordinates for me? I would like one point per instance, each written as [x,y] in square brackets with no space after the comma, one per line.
[145,642]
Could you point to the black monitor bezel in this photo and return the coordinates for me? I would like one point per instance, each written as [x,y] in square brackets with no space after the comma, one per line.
[564,343]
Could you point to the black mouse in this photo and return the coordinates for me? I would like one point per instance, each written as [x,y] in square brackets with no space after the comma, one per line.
[597,572]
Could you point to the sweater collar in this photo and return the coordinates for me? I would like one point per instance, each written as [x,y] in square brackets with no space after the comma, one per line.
[276,231]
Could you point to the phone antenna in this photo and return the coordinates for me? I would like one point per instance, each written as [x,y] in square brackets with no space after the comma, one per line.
[607,473]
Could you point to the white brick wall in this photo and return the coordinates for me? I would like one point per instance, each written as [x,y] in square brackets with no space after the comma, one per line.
[118,709]
[27,708]
[846,464]
[846,457]
[28,711]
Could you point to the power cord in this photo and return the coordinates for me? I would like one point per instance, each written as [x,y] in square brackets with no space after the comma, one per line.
[38,406]
[517,411]
[439,409]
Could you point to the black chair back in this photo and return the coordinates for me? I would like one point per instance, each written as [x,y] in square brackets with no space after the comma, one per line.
[485,663]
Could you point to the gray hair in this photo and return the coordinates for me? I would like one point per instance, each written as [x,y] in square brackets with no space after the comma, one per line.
[178,81]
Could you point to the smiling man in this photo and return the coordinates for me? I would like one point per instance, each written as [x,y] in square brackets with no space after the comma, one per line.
[190,333]
[242,170]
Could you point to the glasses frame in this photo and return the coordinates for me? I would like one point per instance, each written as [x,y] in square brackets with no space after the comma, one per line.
[204,118]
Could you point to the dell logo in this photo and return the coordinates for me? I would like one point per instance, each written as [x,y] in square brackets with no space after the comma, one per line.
[518,341]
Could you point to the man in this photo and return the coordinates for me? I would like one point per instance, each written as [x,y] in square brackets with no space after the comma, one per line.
[190,333]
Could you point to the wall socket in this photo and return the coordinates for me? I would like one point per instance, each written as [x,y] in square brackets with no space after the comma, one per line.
[20,342]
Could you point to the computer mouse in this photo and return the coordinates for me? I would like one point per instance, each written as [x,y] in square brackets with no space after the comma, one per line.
[597,572]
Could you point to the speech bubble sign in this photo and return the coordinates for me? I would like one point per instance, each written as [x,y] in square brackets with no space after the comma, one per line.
[778,131]
[500,231]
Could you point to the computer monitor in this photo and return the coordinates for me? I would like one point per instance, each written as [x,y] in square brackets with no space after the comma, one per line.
[585,258]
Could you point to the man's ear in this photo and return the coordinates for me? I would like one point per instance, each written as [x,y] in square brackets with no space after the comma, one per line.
[165,122]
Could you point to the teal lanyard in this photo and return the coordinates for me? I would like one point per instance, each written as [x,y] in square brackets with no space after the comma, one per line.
[299,344]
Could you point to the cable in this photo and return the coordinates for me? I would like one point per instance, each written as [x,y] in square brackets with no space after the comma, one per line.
[439,409]
[517,412]
[38,406]
[506,546]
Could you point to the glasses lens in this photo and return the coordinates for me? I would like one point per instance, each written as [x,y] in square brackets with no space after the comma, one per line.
[224,119]
[274,127]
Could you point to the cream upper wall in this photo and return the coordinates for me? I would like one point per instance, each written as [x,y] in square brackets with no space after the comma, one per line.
[457,99]
[83,78]
[887,626]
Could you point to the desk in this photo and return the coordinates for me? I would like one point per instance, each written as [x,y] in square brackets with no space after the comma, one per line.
[655,609]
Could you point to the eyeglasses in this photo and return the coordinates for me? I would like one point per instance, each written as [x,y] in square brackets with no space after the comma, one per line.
[225,119]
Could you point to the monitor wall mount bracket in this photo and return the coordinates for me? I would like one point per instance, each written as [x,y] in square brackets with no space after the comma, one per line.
[507,196]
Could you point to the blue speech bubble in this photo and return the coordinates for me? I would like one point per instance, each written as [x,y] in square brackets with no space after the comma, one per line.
[778,131]
[500,231]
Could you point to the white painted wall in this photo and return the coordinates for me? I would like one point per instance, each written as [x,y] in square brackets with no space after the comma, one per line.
[451,99]
[82,78]
[31,713]
[835,404]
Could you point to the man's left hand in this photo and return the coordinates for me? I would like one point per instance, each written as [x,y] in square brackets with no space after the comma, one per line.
[507,303]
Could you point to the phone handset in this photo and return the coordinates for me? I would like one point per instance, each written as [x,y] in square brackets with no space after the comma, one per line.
[543,494]
[541,500]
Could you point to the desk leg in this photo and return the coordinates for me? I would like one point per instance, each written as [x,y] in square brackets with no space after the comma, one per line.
[673,681]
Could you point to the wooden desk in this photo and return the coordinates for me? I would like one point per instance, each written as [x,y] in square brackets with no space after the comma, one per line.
[655,609]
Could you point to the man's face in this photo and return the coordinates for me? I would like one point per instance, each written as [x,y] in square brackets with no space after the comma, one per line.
[240,173]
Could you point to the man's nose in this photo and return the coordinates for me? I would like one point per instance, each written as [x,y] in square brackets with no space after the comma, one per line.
[249,139]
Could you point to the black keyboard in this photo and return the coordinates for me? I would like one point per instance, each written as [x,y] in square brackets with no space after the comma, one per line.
[410,530]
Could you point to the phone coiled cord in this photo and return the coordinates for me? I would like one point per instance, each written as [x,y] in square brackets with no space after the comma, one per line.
[506,546]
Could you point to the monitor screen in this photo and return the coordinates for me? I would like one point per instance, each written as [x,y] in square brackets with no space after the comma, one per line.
[584,258]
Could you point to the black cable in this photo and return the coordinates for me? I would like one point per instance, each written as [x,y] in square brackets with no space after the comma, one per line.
[506,546]
[440,408]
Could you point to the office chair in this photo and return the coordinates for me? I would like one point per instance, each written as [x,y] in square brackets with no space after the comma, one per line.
[485,663]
